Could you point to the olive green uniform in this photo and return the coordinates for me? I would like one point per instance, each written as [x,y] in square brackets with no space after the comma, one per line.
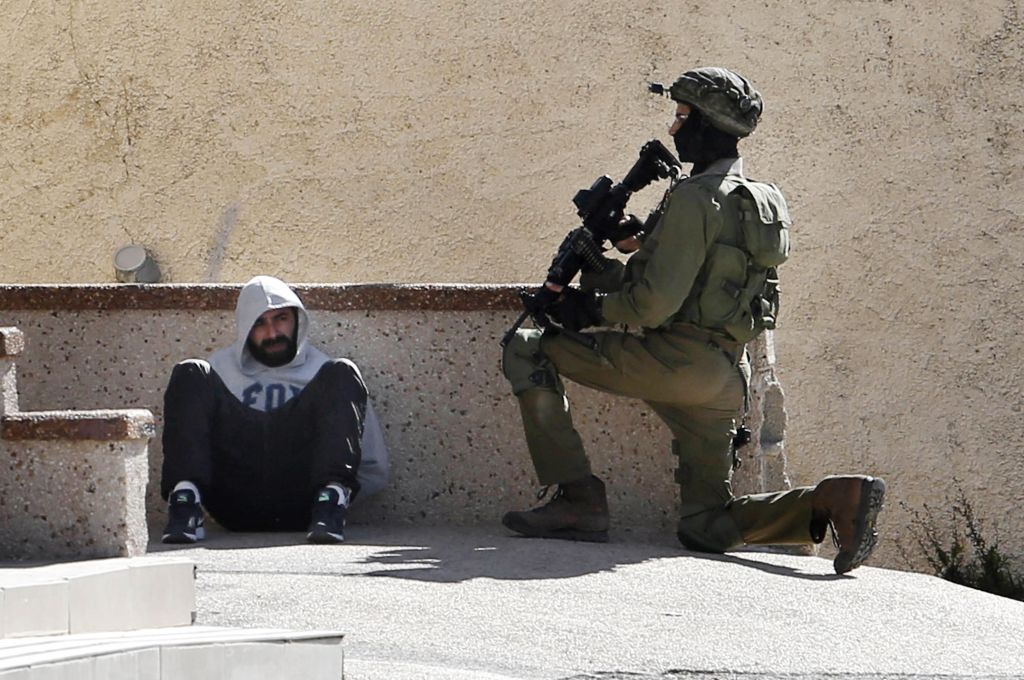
[683,364]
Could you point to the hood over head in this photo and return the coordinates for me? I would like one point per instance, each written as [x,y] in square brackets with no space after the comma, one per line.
[252,382]
[259,295]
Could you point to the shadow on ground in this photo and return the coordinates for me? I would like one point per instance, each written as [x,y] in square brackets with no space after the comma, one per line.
[457,554]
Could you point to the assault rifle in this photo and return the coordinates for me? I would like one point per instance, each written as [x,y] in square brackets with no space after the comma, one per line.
[601,208]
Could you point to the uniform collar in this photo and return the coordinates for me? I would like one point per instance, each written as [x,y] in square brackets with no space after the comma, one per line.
[725,166]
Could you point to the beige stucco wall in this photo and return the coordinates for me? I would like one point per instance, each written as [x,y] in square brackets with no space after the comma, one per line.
[441,142]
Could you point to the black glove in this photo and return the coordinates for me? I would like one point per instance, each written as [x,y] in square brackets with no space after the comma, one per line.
[577,310]
[629,225]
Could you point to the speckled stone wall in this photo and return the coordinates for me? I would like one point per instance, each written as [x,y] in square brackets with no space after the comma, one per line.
[454,433]
[430,356]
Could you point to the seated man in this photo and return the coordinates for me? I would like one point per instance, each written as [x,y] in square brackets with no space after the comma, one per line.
[269,434]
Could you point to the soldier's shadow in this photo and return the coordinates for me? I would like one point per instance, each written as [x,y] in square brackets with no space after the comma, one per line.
[451,555]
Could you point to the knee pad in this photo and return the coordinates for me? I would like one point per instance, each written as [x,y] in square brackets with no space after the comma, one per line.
[711,531]
[705,491]
[525,365]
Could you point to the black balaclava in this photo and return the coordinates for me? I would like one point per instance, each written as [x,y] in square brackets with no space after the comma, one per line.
[700,143]
[279,358]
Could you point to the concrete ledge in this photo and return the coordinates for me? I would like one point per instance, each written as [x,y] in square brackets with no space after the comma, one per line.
[172,654]
[97,425]
[65,498]
[330,297]
[72,482]
[96,596]
[32,602]
[12,342]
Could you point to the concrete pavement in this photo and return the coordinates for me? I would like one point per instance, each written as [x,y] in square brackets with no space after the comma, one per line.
[476,602]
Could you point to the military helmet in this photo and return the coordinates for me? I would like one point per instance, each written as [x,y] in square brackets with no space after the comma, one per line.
[727,99]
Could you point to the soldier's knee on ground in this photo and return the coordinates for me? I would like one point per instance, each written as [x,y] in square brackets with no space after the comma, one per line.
[704,489]
[524,365]
[710,531]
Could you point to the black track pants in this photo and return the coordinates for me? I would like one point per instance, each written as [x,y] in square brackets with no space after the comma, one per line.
[256,470]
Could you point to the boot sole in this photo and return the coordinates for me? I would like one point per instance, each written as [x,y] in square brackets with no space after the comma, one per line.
[521,527]
[872,496]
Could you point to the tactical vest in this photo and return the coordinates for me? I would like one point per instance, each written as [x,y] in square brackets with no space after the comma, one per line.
[737,289]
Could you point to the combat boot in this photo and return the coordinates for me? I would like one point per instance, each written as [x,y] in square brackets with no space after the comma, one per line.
[577,512]
[849,506]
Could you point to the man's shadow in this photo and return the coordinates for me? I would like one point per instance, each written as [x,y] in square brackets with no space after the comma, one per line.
[218,538]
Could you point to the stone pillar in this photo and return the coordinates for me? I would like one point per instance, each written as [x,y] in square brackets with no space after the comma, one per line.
[74,483]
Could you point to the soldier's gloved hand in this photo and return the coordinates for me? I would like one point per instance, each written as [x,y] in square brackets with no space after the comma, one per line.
[629,225]
[624,236]
[577,309]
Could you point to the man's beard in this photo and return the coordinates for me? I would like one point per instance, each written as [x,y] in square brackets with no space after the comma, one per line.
[279,356]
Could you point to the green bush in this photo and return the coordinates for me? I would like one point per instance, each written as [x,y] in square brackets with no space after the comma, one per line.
[965,557]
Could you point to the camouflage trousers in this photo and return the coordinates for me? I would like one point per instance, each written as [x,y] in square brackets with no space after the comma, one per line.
[695,387]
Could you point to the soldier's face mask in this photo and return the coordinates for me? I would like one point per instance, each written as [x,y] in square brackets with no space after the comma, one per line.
[687,134]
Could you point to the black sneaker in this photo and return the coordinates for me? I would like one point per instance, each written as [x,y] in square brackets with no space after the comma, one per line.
[185,518]
[328,522]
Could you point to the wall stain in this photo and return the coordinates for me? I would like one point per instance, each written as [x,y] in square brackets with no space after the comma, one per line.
[216,259]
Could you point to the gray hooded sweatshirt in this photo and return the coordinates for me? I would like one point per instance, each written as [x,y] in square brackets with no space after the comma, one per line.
[265,388]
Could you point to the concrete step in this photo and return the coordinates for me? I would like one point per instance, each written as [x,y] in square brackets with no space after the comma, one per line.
[95,596]
[175,653]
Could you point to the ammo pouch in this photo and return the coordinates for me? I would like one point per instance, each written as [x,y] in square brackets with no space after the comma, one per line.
[764,231]
[737,289]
